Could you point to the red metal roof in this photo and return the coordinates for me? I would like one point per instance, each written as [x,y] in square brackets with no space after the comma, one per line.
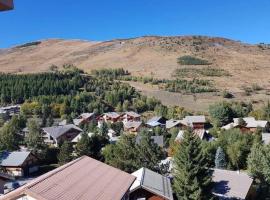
[81,179]
[6,5]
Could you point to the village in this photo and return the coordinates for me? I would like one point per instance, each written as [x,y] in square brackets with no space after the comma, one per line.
[20,168]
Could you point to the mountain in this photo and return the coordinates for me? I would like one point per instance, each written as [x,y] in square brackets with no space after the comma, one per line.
[147,56]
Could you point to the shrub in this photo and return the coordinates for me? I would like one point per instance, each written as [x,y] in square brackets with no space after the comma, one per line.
[207,71]
[227,94]
[256,87]
[190,60]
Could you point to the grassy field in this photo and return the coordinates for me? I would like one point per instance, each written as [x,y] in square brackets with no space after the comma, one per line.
[197,102]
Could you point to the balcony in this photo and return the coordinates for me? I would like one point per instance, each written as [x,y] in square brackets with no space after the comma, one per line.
[6,5]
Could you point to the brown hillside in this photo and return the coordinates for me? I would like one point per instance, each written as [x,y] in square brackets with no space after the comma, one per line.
[146,56]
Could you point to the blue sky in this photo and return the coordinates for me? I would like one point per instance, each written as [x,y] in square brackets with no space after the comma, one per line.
[245,20]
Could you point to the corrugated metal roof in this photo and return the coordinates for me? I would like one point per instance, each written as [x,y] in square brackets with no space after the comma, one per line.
[81,179]
[57,131]
[14,159]
[152,182]
[231,184]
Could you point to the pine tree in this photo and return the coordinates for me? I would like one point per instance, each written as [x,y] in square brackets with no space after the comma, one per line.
[104,129]
[149,153]
[256,160]
[83,146]
[50,120]
[34,140]
[192,174]
[123,154]
[220,160]
[65,153]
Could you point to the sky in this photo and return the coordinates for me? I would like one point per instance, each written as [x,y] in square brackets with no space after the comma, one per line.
[100,20]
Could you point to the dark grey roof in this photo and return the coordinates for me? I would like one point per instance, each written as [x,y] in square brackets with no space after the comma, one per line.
[231,184]
[156,121]
[152,182]
[156,139]
[57,131]
[14,159]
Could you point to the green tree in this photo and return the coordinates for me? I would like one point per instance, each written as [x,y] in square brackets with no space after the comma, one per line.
[118,127]
[266,164]
[149,153]
[34,140]
[83,146]
[220,159]
[9,137]
[50,120]
[221,113]
[255,161]
[104,129]
[65,153]
[123,154]
[193,177]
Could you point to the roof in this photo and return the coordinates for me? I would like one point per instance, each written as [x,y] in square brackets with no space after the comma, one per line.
[82,179]
[77,122]
[155,121]
[156,139]
[172,123]
[251,122]
[228,126]
[132,124]
[201,133]
[78,137]
[266,138]
[152,182]
[231,184]
[194,119]
[180,135]
[86,115]
[57,131]
[63,122]
[14,159]
[112,115]
[133,114]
